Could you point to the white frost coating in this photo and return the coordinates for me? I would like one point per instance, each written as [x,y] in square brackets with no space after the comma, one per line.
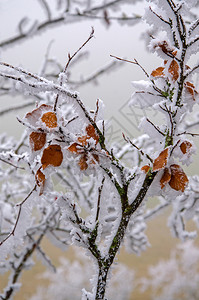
[144,95]
[185,157]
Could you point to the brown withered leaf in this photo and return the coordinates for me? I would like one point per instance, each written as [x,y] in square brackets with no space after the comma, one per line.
[165,178]
[50,119]
[92,133]
[145,168]
[40,177]
[37,140]
[159,72]
[52,156]
[83,140]
[161,161]
[174,70]
[190,88]
[40,180]
[35,115]
[174,52]
[74,148]
[83,162]
[96,159]
[165,47]
[185,147]
[179,179]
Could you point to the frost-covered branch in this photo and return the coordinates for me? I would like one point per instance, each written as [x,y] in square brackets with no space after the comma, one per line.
[74,12]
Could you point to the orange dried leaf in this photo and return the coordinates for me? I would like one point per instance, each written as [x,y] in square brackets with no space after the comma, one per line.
[161,161]
[52,155]
[74,148]
[159,72]
[37,140]
[83,140]
[165,178]
[174,52]
[174,70]
[40,180]
[91,132]
[190,88]
[83,162]
[179,179]
[187,67]
[50,119]
[34,115]
[145,168]
[189,84]
[185,147]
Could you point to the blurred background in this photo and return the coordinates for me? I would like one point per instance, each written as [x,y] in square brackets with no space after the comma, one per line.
[122,39]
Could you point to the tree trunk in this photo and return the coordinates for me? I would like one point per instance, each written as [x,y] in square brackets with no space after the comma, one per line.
[101,284]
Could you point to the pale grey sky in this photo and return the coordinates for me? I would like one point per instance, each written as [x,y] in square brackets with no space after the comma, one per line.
[114,88]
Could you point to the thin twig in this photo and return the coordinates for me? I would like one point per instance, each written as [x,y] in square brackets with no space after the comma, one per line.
[160,17]
[193,27]
[189,133]
[18,215]
[191,71]
[97,109]
[155,127]
[135,62]
[29,126]
[103,6]
[93,76]
[9,163]
[71,57]
[17,107]
[69,60]
[99,198]
[176,144]
[144,154]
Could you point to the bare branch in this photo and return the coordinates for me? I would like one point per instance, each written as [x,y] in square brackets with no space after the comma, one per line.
[102,7]
[129,141]
[17,107]
[191,71]
[160,17]
[94,76]
[193,27]
[99,197]
[70,58]
[9,163]
[18,215]
[155,127]
[188,133]
[193,42]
